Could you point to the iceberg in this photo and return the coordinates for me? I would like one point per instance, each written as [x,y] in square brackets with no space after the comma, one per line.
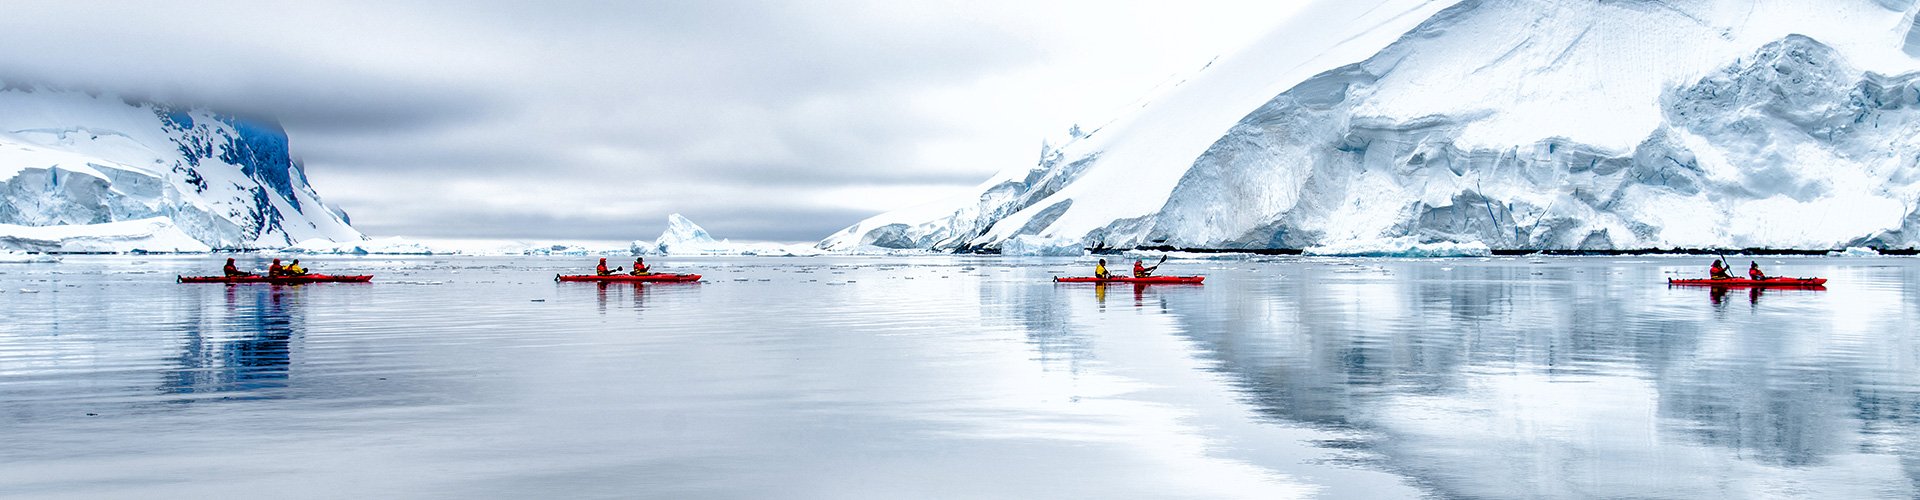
[1404,246]
[1855,252]
[683,237]
[76,159]
[1520,125]
[1037,246]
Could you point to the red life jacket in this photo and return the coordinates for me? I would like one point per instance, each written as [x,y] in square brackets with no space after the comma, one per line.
[1754,272]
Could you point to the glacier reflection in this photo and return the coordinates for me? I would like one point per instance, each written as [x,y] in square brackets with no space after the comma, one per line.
[1571,379]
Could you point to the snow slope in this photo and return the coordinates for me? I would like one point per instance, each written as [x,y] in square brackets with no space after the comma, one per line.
[1517,124]
[80,165]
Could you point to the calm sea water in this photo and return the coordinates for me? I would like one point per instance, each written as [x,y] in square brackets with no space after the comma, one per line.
[858,377]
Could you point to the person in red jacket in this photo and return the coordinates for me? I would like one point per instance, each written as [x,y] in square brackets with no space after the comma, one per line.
[274,270]
[1718,271]
[640,267]
[234,271]
[1141,270]
[1753,271]
[602,268]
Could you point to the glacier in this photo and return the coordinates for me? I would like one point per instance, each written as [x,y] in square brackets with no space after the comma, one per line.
[84,171]
[1513,124]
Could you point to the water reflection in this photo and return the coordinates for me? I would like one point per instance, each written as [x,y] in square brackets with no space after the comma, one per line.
[634,292]
[246,346]
[1575,380]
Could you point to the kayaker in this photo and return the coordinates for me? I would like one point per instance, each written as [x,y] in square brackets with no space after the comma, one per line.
[294,269]
[640,267]
[1100,270]
[234,271]
[274,270]
[1718,271]
[1141,270]
[1753,271]
[602,268]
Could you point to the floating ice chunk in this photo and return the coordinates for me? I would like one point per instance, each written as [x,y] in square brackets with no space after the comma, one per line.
[1035,245]
[1855,252]
[1404,246]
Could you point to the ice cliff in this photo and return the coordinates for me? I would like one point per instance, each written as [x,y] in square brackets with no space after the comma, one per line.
[1517,124]
[91,172]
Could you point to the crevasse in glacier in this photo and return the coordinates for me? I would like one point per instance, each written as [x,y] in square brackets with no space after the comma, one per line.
[73,164]
[1517,124]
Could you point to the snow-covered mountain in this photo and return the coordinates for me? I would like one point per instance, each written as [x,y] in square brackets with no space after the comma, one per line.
[1519,124]
[83,171]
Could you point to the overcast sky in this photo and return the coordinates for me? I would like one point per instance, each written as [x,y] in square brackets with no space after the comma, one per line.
[776,120]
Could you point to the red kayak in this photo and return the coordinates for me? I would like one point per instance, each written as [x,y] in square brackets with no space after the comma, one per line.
[1192,280]
[628,278]
[1744,282]
[278,280]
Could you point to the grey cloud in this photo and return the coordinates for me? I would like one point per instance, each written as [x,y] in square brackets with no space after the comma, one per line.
[798,95]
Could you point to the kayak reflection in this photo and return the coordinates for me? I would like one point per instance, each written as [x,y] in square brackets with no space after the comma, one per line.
[1718,295]
[1139,294]
[638,291]
[246,347]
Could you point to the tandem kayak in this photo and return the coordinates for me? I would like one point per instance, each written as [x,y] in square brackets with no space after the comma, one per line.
[1192,280]
[278,280]
[628,278]
[1744,282]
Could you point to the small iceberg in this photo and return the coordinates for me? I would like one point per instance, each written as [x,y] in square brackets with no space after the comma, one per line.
[683,237]
[1855,252]
[1404,246]
[1031,245]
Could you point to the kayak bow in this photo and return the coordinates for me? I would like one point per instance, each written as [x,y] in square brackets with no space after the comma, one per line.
[628,278]
[1192,280]
[1744,282]
[278,280]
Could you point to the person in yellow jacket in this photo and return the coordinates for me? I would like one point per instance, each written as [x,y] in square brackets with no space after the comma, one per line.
[1100,270]
[294,269]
